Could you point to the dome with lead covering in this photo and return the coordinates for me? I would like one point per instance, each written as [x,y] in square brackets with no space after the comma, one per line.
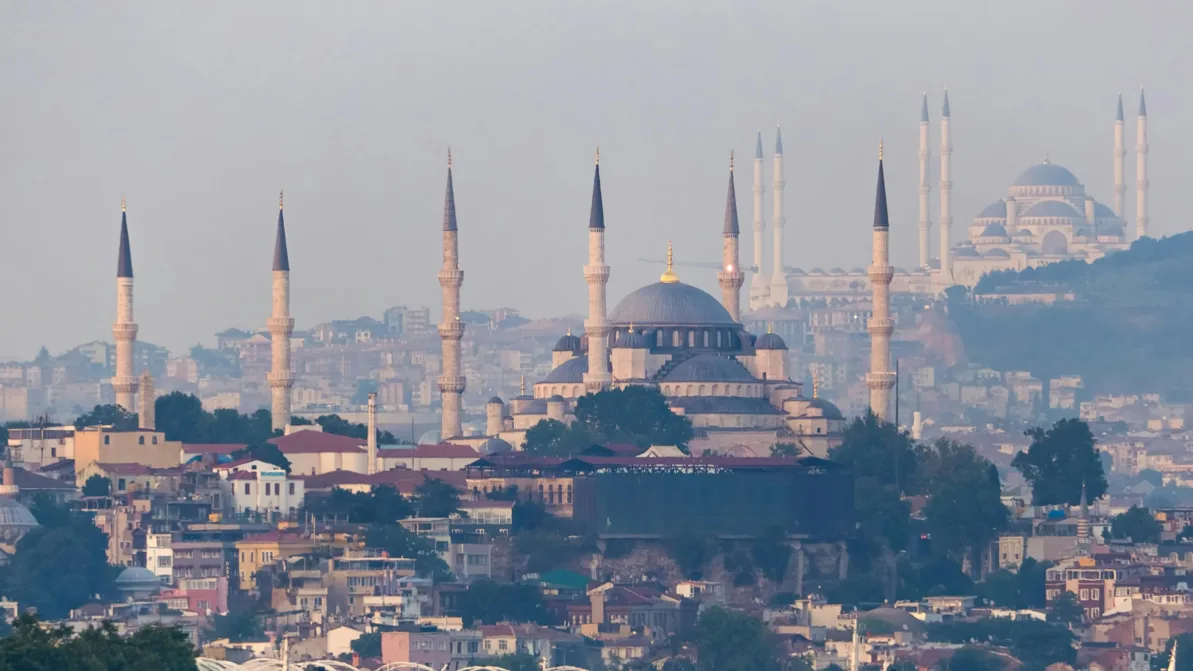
[1052,208]
[1047,174]
[15,520]
[568,343]
[769,341]
[670,304]
[572,370]
[995,210]
[709,368]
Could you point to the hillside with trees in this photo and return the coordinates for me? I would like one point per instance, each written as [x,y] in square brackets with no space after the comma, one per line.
[1126,329]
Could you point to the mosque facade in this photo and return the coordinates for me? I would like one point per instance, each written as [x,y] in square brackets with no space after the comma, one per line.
[1045,217]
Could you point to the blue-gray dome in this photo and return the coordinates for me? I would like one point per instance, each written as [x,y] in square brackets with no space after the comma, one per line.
[769,341]
[631,340]
[1053,208]
[556,399]
[137,578]
[836,271]
[494,446]
[994,231]
[818,407]
[997,254]
[1103,212]
[857,271]
[572,370]
[1047,174]
[797,271]
[670,304]
[1024,231]
[995,210]
[15,520]
[709,368]
[568,343]
[968,252]
[496,400]
[816,271]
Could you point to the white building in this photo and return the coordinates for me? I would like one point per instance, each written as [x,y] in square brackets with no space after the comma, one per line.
[265,491]
[159,557]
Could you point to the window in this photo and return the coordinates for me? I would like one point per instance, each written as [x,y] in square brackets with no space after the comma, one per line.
[204,605]
[503,645]
[291,489]
[140,440]
[155,440]
[119,483]
[163,562]
[107,440]
[266,557]
[246,488]
[53,451]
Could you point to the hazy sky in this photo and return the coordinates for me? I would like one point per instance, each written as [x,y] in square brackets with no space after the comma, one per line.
[201,111]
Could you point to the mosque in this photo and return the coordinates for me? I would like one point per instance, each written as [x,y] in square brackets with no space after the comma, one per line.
[733,385]
[1046,217]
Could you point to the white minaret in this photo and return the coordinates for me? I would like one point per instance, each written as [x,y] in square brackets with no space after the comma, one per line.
[371,441]
[1141,219]
[124,331]
[946,196]
[281,325]
[925,189]
[731,277]
[451,329]
[759,286]
[778,285]
[880,379]
[596,274]
[1120,154]
[145,403]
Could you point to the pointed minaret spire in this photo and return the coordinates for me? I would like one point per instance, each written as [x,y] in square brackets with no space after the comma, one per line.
[760,282]
[281,255]
[1142,103]
[925,189]
[1142,220]
[778,284]
[731,277]
[924,109]
[596,216]
[596,274]
[880,379]
[124,331]
[1120,155]
[945,278]
[451,330]
[758,146]
[1119,115]
[778,140]
[449,199]
[124,257]
[945,109]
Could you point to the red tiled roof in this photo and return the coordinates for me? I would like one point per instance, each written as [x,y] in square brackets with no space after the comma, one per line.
[478,505]
[123,469]
[404,480]
[496,630]
[440,451]
[314,442]
[25,480]
[275,536]
[212,448]
[243,475]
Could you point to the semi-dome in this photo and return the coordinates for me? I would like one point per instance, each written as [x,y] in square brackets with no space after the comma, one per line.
[995,210]
[1053,208]
[769,341]
[1103,212]
[818,407]
[567,343]
[670,304]
[15,519]
[997,253]
[496,400]
[709,368]
[836,271]
[968,252]
[994,231]
[494,446]
[631,340]
[1024,231]
[1047,174]
[890,620]
[556,399]
[572,370]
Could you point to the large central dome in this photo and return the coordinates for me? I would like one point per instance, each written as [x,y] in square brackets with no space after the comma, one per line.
[1047,174]
[670,304]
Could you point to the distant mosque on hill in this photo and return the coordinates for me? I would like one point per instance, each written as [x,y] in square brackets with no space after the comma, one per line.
[1045,217]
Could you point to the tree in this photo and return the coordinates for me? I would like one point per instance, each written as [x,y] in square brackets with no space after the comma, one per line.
[784,450]
[368,645]
[522,661]
[879,450]
[342,427]
[633,414]
[1065,610]
[32,647]
[970,658]
[727,640]
[57,569]
[1021,589]
[1036,644]
[488,602]
[120,419]
[1152,476]
[382,505]
[436,498]
[97,485]
[1184,655]
[965,509]
[1060,462]
[180,416]
[553,438]
[267,452]
[239,624]
[691,551]
[1138,525]
[398,542]
[771,553]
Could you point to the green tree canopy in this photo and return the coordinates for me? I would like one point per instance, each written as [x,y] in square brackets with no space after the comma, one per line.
[964,510]
[488,602]
[97,485]
[182,417]
[1137,524]
[382,505]
[120,419]
[267,452]
[436,498]
[59,568]
[637,415]
[1059,462]
[727,640]
[879,451]
[691,550]
[342,427]
[521,661]
[1065,610]
[32,647]
[971,658]
[398,542]
[1037,644]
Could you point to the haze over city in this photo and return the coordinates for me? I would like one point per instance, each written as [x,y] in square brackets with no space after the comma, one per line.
[199,114]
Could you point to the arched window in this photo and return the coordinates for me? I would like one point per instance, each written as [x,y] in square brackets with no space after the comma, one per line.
[140,440]
[541,499]
[107,440]
[702,390]
[551,495]
[715,389]
[155,440]
[569,494]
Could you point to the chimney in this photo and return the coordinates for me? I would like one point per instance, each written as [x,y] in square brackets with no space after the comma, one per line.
[372,434]
[597,600]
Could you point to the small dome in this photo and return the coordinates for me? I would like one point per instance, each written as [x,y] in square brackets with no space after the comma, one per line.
[1084,231]
[1024,231]
[709,368]
[1053,208]
[797,271]
[670,303]
[136,577]
[836,271]
[890,620]
[1114,229]
[572,370]
[433,437]
[994,231]
[15,519]
[816,271]
[568,343]
[556,399]
[494,446]
[818,407]
[1046,174]
[997,253]
[857,271]
[769,341]
[1103,212]
[496,400]
[631,340]
[995,210]
[966,252]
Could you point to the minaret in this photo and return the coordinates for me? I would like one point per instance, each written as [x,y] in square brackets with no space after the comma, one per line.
[596,273]
[1120,153]
[1141,219]
[124,331]
[881,379]
[451,329]
[778,286]
[145,403]
[925,189]
[946,195]
[758,285]
[281,325]
[731,276]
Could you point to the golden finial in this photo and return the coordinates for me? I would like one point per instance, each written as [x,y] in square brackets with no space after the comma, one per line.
[449,158]
[770,327]
[569,330]
[122,203]
[879,149]
[522,389]
[597,160]
[1046,158]
[730,160]
[669,277]
[281,199]
[815,384]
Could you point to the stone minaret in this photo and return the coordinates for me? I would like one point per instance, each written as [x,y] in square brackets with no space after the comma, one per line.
[778,286]
[145,403]
[731,277]
[124,331]
[925,189]
[946,195]
[880,379]
[451,329]
[758,285]
[281,325]
[1120,153]
[596,273]
[1141,220]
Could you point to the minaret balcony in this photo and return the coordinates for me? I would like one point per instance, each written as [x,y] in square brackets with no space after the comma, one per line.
[126,331]
[452,331]
[452,384]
